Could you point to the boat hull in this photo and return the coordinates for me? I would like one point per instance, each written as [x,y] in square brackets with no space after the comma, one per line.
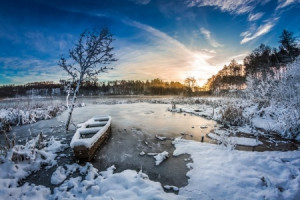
[87,154]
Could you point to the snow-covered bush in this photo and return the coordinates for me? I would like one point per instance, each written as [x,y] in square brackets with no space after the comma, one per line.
[259,89]
[4,126]
[287,94]
[20,116]
[282,95]
[233,115]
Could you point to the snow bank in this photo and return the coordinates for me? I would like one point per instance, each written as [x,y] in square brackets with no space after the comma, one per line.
[31,159]
[236,140]
[217,173]
[105,185]
[58,176]
[90,184]
[26,192]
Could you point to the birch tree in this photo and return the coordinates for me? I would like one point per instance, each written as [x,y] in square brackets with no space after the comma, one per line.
[90,56]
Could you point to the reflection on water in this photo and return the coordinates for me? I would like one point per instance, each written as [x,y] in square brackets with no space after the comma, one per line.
[134,127]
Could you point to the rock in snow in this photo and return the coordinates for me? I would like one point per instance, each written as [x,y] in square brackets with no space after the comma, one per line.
[161,137]
[151,154]
[169,187]
[161,157]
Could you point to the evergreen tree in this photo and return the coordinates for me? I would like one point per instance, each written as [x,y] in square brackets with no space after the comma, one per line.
[289,49]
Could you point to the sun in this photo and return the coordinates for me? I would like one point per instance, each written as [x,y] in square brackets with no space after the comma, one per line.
[199,68]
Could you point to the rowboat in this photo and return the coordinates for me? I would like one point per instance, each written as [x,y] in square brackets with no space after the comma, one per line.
[89,136]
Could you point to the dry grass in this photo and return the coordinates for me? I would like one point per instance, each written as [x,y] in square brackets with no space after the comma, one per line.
[233,115]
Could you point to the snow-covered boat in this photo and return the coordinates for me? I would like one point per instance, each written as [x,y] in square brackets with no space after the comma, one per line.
[90,135]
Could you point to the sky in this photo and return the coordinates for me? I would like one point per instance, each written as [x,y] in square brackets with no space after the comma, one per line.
[166,39]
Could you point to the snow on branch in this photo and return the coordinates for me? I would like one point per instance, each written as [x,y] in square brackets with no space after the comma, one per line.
[91,55]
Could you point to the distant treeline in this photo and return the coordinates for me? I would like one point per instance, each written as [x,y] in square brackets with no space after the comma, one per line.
[94,87]
[42,88]
[263,63]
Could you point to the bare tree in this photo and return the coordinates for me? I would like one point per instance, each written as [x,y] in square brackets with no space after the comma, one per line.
[90,56]
[190,82]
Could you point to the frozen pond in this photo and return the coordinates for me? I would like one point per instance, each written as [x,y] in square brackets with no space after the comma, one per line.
[134,127]
[150,119]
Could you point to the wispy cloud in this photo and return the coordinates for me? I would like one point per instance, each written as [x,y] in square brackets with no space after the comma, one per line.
[210,51]
[156,33]
[142,2]
[24,70]
[42,42]
[261,30]
[161,57]
[254,17]
[209,38]
[239,58]
[231,6]
[285,3]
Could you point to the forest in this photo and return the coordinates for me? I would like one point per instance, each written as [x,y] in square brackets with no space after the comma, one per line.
[264,63]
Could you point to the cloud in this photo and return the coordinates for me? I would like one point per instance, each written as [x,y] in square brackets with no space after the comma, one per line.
[239,58]
[142,2]
[208,37]
[161,56]
[210,51]
[156,33]
[18,70]
[261,30]
[254,17]
[153,54]
[41,41]
[285,3]
[231,6]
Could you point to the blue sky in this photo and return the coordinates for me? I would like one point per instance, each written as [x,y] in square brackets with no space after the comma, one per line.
[168,39]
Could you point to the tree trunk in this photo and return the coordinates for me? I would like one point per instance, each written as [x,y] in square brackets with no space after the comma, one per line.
[73,104]
[67,99]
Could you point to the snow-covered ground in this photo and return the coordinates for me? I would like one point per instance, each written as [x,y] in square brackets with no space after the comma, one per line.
[128,184]
[241,114]
[215,173]
[219,173]
[90,184]
[22,160]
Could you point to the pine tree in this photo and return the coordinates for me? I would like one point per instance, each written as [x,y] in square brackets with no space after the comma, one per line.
[289,49]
